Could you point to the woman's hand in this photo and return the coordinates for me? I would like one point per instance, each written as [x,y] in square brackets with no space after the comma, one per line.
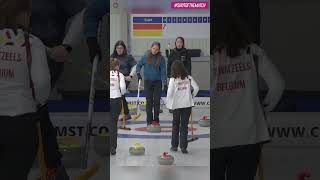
[128,78]
[58,53]
[139,76]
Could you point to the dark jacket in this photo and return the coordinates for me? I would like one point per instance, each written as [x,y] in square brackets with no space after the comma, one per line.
[176,54]
[126,63]
[95,11]
[49,19]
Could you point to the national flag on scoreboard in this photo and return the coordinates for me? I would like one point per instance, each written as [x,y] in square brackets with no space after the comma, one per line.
[147,26]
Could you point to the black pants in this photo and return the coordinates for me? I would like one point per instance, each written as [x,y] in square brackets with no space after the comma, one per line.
[125,103]
[18,146]
[249,10]
[153,96]
[50,143]
[180,124]
[234,163]
[115,109]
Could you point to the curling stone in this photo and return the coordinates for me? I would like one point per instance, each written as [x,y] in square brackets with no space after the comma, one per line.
[204,121]
[154,127]
[165,159]
[137,149]
[101,144]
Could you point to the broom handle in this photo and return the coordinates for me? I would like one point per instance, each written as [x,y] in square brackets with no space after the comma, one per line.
[122,113]
[40,154]
[89,172]
[138,96]
[261,177]
[191,124]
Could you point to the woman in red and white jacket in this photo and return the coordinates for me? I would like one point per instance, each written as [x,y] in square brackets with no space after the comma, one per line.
[239,126]
[180,100]
[24,85]
[117,90]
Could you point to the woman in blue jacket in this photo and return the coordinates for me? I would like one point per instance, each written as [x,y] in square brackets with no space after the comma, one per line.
[154,78]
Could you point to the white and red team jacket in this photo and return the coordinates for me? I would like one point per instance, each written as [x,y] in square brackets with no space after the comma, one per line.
[238,116]
[117,84]
[179,93]
[15,91]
